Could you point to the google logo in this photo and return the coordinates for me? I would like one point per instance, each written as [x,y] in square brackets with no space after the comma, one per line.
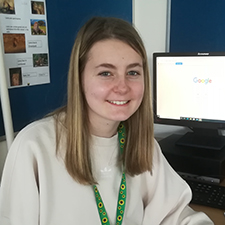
[203,81]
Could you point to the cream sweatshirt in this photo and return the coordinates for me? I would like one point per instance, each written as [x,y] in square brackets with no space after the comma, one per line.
[37,190]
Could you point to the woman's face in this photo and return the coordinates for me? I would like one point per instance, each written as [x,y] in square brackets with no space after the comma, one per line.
[113,82]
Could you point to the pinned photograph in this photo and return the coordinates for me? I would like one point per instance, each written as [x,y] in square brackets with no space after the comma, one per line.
[37,7]
[40,60]
[14,43]
[38,27]
[7,7]
[15,76]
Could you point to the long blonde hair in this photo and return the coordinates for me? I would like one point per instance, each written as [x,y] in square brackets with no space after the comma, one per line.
[137,156]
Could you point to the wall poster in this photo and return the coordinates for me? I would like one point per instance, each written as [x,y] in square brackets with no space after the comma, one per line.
[23,27]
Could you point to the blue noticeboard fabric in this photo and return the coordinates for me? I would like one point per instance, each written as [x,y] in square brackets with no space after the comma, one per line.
[197,26]
[64,18]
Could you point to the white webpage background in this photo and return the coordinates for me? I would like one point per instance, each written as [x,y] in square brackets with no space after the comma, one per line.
[179,96]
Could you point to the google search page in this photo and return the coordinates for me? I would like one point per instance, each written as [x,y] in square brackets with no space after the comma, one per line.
[191,87]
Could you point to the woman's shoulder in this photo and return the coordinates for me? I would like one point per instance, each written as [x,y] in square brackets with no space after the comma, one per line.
[36,132]
[31,144]
[156,149]
[43,125]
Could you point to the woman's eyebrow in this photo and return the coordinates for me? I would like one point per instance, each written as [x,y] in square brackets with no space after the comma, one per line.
[107,65]
[134,65]
[111,66]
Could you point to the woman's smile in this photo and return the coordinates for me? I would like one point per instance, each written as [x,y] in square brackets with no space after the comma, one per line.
[118,102]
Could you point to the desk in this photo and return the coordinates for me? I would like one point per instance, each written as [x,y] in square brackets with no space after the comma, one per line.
[216,215]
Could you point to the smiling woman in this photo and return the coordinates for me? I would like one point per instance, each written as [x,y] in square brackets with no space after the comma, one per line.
[113,81]
[97,154]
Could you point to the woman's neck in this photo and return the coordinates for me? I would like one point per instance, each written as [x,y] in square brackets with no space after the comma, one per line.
[104,129]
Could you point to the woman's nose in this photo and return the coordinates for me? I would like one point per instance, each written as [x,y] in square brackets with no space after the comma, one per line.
[121,85]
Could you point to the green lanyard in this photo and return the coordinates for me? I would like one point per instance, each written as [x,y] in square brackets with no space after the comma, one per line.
[122,193]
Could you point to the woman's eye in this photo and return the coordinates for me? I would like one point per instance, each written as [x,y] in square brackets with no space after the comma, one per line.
[133,73]
[105,74]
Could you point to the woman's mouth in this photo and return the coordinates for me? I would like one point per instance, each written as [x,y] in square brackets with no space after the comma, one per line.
[118,102]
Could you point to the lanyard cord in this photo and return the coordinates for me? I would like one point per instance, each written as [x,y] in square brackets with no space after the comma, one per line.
[122,193]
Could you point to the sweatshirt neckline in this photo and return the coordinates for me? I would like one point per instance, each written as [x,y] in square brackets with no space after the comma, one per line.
[102,141]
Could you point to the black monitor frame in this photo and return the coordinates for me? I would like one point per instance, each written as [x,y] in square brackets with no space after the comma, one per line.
[203,131]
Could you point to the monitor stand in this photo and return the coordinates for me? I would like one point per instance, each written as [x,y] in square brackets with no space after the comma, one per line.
[202,138]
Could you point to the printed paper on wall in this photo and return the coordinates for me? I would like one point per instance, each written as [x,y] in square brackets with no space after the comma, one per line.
[23,27]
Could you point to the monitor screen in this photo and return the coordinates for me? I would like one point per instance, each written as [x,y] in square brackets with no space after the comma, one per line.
[189,90]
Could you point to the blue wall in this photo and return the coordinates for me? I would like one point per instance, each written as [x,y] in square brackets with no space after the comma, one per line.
[197,26]
[64,18]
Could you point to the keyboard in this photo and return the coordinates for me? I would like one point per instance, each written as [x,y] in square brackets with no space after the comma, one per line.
[207,194]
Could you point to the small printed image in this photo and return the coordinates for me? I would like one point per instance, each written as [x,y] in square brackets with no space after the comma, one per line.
[40,60]
[7,7]
[15,76]
[14,43]
[38,27]
[37,7]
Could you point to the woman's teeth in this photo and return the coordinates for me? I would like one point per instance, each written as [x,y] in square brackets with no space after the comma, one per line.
[118,102]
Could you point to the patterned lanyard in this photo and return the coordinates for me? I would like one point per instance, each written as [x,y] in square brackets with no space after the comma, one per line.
[122,193]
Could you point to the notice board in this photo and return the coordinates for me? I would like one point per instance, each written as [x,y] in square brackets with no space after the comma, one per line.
[65,17]
[197,26]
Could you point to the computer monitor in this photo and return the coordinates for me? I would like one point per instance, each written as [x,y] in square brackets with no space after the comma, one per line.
[189,90]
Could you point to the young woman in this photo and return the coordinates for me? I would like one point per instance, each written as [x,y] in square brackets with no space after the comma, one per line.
[95,161]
